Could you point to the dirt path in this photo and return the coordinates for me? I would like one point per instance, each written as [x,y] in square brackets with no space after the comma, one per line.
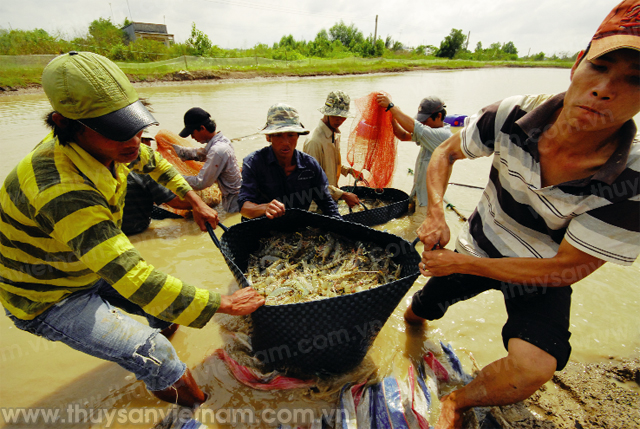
[591,396]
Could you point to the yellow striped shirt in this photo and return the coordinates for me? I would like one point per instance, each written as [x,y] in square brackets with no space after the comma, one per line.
[60,218]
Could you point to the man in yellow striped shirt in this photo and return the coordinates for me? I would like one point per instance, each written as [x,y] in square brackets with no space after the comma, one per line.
[65,263]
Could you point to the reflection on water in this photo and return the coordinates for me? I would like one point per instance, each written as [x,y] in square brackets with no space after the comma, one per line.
[37,373]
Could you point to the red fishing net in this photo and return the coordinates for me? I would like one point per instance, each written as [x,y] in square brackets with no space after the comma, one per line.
[372,144]
[165,139]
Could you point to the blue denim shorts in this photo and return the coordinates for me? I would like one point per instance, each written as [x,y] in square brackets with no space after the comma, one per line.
[89,322]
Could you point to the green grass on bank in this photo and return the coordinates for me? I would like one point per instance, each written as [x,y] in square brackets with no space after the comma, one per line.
[25,71]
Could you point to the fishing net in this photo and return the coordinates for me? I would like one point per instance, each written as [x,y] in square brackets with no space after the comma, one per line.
[372,144]
[165,139]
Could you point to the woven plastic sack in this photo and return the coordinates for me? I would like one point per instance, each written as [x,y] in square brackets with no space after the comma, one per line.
[393,403]
[372,146]
[165,139]
[398,205]
[249,377]
[330,335]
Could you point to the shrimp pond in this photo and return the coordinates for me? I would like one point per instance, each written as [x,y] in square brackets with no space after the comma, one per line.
[42,375]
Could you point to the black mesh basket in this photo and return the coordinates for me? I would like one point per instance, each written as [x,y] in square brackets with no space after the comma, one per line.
[399,205]
[330,335]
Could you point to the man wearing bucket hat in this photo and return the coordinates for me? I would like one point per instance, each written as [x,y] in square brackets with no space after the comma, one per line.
[65,263]
[427,130]
[562,200]
[278,176]
[219,158]
[324,144]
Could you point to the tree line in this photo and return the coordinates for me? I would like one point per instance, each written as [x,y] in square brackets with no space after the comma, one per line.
[341,40]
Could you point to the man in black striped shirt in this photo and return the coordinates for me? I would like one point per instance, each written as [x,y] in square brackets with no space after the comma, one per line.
[563,198]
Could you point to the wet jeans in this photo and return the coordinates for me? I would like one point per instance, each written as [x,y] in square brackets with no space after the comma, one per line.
[89,322]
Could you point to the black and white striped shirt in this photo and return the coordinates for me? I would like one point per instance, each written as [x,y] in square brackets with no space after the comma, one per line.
[517,217]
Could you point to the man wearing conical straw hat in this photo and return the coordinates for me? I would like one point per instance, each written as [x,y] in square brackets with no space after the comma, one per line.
[563,199]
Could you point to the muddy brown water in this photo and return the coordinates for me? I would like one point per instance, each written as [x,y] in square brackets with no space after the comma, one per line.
[38,374]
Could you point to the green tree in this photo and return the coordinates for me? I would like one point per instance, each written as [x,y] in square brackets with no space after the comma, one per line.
[538,57]
[349,36]
[509,48]
[322,35]
[199,42]
[397,46]
[478,48]
[38,41]
[451,44]
[388,42]
[104,36]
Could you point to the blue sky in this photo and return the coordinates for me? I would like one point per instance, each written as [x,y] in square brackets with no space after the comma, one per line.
[550,26]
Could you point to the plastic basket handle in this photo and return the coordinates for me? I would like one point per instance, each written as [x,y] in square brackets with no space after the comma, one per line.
[212,234]
[363,206]
[417,240]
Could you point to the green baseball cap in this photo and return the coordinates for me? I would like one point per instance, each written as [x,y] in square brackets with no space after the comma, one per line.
[91,89]
[282,118]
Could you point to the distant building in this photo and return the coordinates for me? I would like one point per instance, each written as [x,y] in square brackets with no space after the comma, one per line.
[143,30]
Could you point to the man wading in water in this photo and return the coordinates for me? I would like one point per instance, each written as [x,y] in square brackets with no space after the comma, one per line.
[279,177]
[65,263]
[562,199]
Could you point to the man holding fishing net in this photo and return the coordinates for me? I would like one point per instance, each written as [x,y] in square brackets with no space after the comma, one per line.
[324,145]
[219,158]
[562,200]
[278,177]
[427,130]
[65,262]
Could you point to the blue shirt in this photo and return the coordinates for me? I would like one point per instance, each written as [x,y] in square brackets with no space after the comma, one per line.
[264,180]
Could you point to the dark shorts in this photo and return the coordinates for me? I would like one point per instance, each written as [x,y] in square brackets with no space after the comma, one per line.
[537,315]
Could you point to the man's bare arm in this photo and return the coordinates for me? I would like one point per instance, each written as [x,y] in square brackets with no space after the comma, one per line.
[404,120]
[434,230]
[271,210]
[202,213]
[177,203]
[568,266]
[400,132]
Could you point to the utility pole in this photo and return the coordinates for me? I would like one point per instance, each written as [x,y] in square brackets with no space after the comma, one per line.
[375,32]
[114,20]
[467,44]
[130,16]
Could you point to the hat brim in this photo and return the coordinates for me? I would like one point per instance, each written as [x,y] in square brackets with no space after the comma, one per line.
[276,129]
[421,117]
[186,132]
[335,112]
[608,44]
[123,124]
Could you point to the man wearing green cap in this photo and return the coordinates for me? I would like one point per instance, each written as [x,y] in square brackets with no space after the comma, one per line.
[278,176]
[65,262]
[324,144]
